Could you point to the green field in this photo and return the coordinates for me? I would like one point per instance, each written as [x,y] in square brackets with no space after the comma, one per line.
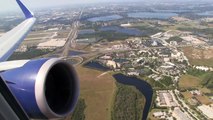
[206,77]
[189,81]
[105,100]
[206,31]
[97,93]
[29,54]
[78,113]
[197,79]
[109,35]
[128,103]
[203,57]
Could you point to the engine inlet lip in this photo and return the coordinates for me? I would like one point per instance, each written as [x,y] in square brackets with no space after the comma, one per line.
[40,89]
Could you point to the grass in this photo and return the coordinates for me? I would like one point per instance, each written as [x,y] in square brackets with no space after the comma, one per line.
[78,113]
[29,54]
[205,90]
[203,57]
[128,103]
[167,81]
[187,94]
[109,35]
[155,84]
[206,77]
[176,38]
[189,81]
[97,93]
[38,35]
[204,100]
[204,30]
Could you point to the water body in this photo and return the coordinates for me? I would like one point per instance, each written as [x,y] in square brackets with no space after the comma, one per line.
[86,31]
[105,18]
[96,65]
[207,13]
[75,53]
[172,11]
[152,15]
[142,86]
[121,60]
[129,31]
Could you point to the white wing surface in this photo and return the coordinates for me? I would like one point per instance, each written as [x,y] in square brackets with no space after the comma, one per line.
[11,40]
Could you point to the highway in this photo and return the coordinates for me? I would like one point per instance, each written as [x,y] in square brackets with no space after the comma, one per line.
[71,38]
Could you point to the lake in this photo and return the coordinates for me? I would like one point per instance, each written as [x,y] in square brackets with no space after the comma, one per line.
[105,18]
[142,86]
[152,15]
[121,60]
[207,13]
[76,53]
[172,11]
[86,31]
[96,65]
[118,29]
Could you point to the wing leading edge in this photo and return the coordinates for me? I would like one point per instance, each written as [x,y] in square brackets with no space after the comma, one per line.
[11,40]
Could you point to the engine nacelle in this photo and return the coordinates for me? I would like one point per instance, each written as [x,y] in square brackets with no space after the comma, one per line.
[45,88]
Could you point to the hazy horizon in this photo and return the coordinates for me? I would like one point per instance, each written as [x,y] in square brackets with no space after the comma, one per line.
[10,5]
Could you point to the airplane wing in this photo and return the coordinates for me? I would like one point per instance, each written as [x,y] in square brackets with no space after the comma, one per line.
[11,40]
[43,88]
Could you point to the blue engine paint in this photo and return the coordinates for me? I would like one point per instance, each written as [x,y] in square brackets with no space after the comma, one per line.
[21,82]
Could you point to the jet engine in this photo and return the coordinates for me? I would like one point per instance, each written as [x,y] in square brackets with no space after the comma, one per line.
[45,88]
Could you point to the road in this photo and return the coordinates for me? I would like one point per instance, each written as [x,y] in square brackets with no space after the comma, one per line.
[71,39]
[189,110]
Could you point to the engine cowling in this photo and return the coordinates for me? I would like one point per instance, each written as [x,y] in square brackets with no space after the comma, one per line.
[45,88]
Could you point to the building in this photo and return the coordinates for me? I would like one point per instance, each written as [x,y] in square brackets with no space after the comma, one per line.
[23,48]
[112,64]
[166,99]
[207,110]
[159,115]
[54,43]
[180,115]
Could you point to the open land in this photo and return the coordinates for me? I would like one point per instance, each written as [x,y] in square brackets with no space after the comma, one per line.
[188,81]
[196,56]
[97,92]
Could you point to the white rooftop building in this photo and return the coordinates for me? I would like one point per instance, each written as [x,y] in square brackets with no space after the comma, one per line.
[113,64]
[179,115]
[207,110]
[52,44]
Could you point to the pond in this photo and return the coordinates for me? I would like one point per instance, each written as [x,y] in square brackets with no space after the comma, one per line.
[207,13]
[105,18]
[86,31]
[152,15]
[76,53]
[96,65]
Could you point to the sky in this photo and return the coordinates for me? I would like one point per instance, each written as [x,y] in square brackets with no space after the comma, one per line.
[10,5]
